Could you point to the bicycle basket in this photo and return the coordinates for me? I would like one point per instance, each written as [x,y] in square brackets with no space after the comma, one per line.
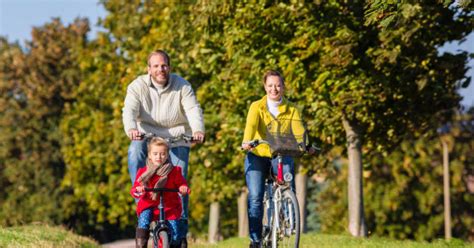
[286,137]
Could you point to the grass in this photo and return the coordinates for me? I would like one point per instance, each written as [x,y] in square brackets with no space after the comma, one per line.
[47,236]
[327,240]
[41,235]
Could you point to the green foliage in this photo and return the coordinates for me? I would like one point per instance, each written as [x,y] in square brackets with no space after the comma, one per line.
[35,85]
[94,145]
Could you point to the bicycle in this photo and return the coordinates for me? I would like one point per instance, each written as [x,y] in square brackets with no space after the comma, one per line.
[160,232]
[281,221]
[159,228]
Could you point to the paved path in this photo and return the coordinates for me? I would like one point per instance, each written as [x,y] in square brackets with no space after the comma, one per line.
[125,243]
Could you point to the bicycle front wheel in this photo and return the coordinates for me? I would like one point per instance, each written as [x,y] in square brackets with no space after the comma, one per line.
[286,226]
[164,241]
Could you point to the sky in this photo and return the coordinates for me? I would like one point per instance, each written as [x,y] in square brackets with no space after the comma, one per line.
[17,17]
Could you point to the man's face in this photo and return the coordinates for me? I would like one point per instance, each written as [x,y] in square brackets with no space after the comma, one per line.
[159,69]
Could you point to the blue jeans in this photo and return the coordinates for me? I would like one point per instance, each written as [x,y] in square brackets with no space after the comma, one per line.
[256,171]
[177,234]
[137,154]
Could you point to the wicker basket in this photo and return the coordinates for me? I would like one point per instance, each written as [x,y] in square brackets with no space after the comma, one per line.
[286,137]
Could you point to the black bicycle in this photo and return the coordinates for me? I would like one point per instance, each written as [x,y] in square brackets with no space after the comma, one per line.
[160,232]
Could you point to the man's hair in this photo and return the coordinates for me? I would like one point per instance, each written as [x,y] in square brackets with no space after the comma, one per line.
[273,73]
[157,141]
[159,52]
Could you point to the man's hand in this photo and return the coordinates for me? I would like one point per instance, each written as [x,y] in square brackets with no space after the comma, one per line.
[134,134]
[183,190]
[198,136]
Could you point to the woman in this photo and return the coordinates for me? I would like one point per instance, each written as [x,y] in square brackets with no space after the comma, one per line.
[272,108]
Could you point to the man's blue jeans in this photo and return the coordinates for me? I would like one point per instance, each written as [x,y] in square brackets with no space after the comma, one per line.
[137,154]
[256,171]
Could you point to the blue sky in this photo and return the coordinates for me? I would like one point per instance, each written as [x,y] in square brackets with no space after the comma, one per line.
[17,17]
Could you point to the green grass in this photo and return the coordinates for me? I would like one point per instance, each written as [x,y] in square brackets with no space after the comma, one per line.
[47,236]
[42,236]
[326,240]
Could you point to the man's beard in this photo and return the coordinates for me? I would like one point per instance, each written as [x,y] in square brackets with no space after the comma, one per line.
[161,82]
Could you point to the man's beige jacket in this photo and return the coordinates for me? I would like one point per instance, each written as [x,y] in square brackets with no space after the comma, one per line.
[176,110]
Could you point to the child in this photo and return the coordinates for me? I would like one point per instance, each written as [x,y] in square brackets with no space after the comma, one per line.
[158,173]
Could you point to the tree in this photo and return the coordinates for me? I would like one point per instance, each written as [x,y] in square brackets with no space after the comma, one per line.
[404,188]
[36,84]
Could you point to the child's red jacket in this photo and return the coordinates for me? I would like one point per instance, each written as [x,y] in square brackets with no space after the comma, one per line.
[171,201]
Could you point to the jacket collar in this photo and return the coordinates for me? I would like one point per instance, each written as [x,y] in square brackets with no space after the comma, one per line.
[149,83]
[283,107]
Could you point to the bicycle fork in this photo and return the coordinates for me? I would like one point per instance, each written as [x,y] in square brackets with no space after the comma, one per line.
[269,210]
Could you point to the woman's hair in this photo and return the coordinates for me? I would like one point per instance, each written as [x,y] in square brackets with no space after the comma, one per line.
[157,141]
[273,73]
[158,52]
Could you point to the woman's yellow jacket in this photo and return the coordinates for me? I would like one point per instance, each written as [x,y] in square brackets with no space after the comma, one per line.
[260,122]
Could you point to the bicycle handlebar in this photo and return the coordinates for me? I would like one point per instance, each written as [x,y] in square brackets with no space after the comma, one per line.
[255,143]
[160,190]
[183,137]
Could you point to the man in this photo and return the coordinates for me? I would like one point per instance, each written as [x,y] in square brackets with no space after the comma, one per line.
[162,103]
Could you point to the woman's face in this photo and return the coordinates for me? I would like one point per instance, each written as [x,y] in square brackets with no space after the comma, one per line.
[274,88]
[158,154]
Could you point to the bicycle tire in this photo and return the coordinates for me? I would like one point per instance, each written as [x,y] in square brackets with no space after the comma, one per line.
[286,233]
[267,220]
[163,239]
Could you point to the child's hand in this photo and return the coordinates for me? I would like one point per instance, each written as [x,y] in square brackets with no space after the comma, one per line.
[183,190]
[140,189]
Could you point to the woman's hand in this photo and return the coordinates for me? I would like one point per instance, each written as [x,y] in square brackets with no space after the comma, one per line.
[183,190]
[247,147]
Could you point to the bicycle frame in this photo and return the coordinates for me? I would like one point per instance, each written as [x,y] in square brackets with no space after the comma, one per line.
[274,189]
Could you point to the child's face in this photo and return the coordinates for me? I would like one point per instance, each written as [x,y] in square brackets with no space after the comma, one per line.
[158,154]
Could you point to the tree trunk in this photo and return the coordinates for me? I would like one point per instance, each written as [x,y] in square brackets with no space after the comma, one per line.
[301,190]
[243,218]
[447,202]
[357,225]
[214,214]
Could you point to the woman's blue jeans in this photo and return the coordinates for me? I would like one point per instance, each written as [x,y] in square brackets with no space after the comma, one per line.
[256,171]
[137,154]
